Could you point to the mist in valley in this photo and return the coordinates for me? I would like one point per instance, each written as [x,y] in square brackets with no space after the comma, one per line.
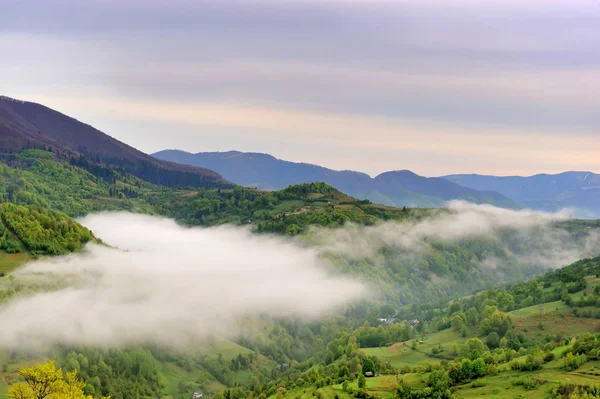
[173,286]
[534,238]
[163,284]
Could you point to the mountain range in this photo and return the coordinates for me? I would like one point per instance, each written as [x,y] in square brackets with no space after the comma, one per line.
[29,125]
[397,188]
[579,190]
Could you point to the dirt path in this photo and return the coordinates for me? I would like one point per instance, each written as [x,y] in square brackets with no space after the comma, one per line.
[394,348]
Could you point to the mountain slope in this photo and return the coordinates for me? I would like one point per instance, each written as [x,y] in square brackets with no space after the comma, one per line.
[30,125]
[402,188]
[580,190]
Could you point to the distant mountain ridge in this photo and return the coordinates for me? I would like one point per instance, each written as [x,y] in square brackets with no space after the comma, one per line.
[30,125]
[397,188]
[548,192]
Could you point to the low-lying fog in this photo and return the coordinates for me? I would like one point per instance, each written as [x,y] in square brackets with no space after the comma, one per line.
[170,285]
[541,242]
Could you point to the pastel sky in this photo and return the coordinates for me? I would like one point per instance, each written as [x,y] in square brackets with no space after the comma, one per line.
[438,87]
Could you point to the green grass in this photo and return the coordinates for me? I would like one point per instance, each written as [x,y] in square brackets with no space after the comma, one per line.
[403,355]
[555,317]
[173,374]
[9,262]
[499,387]
[380,387]
[398,356]
[538,309]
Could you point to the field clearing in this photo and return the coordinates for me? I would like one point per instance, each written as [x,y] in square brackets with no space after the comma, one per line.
[227,349]
[399,357]
[555,317]
[9,262]
[498,387]
[539,309]
[381,387]
[402,354]
[173,374]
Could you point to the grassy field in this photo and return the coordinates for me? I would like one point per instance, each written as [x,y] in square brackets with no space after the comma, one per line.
[9,262]
[381,387]
[402,354]
[173,374]
[554,317]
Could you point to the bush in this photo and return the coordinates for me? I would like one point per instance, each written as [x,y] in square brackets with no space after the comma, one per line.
[525,382]
[571,362]
[478,384]
[548,357]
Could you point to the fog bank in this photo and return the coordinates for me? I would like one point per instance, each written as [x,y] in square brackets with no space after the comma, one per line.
[169,285]
[535,238]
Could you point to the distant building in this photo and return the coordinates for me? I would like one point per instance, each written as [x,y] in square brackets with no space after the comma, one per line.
[368,374]
[388,321]
[197,395]
[284,366]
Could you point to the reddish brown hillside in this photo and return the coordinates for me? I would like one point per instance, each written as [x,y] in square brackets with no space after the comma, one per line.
[30,125]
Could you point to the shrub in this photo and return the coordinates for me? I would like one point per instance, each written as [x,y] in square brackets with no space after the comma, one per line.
[525,382]
[548,357]
[571,362]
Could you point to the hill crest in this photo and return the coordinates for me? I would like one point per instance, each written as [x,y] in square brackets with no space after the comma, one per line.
[26,124]
[396,188]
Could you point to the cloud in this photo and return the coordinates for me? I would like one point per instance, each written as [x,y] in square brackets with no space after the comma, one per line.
[533,238]
[170,286]
[527,68]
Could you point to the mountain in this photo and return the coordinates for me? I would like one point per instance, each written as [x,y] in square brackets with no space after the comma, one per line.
[579,190]
[399,188]
[29,125]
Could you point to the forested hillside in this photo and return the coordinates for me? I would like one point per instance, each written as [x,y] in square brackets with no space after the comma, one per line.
[28,231]
[537,338]
[294,357]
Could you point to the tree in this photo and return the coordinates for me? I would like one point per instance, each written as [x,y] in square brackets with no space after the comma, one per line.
[345,386]
[368,366]
[458,321]
[362,381]
[498,322]
[473,348]
[45,380]
[492,340]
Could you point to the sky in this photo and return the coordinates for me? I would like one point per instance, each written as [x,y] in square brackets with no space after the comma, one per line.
[438,87]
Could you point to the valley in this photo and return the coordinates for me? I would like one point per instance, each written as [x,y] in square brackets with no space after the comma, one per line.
[502,302]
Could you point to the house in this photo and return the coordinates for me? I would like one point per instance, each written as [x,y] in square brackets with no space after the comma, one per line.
[284,366]
[197,395]
[388,321]
[414,322]
[369,374]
